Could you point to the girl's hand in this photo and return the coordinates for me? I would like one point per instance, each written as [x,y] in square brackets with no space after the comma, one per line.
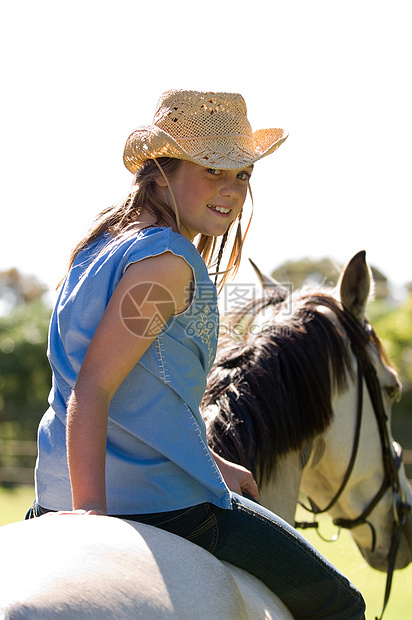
[237,478]
[79,511]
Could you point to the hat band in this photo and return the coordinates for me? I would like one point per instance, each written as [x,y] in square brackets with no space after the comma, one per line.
[227,135]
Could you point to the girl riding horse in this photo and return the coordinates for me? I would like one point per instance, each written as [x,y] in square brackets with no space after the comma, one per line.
[132,338]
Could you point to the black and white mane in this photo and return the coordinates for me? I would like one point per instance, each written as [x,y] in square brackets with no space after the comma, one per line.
[272,387]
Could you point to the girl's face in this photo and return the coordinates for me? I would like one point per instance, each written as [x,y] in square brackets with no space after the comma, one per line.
[208,199]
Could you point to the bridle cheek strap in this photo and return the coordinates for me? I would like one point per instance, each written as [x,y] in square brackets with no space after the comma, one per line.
[314,509]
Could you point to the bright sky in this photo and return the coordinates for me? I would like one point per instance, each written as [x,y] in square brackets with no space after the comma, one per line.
[79,76]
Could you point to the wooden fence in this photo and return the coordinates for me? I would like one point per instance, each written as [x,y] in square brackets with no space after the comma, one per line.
[17,460]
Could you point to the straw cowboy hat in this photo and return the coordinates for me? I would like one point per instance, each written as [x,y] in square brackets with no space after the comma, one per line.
[210,129]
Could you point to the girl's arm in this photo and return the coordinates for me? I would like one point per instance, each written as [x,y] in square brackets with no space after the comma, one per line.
[112,353]
[237,478]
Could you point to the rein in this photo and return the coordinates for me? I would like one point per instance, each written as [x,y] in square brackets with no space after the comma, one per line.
[392,459]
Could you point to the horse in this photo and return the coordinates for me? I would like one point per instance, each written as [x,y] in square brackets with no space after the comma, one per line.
[302,397]
[305,359]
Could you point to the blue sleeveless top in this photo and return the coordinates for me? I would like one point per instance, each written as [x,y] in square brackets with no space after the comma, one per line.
[157,457]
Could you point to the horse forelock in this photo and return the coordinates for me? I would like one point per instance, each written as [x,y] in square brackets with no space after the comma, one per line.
[272,388]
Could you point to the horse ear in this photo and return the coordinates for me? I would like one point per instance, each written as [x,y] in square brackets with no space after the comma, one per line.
[267,282]
[354,285]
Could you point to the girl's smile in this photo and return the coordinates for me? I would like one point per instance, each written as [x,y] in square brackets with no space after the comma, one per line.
[219,209]
[208,199]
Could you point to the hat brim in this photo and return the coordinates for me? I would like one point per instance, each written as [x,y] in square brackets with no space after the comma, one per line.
[223,152]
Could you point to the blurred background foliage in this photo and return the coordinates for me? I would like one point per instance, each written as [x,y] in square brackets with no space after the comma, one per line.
[25,376]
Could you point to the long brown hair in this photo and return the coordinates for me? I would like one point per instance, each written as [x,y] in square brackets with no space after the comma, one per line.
[118,220]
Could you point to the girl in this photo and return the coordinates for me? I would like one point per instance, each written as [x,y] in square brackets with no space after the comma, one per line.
[132,338]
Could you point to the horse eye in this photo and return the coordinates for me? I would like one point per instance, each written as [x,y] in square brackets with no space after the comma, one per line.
[393,391]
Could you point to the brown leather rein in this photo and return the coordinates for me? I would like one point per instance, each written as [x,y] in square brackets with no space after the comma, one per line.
[392,459]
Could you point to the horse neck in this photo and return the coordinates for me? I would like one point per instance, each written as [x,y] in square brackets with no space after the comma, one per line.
[281,491]
[321,479]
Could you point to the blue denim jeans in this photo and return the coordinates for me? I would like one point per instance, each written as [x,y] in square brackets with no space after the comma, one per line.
[255,539]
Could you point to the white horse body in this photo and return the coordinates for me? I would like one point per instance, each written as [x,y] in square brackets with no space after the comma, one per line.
[101,567]
[68,566]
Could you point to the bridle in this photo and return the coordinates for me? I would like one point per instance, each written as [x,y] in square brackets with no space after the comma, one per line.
[392,459]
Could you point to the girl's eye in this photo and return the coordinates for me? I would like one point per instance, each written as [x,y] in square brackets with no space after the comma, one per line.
[243,176]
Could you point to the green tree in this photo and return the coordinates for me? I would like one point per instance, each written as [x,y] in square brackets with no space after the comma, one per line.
[17,288]
[323,271]
[395,330]
[25,376]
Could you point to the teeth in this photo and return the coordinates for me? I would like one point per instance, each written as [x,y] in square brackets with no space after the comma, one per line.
[220,209]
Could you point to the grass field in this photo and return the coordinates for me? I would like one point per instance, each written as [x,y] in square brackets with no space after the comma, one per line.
[343,554]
